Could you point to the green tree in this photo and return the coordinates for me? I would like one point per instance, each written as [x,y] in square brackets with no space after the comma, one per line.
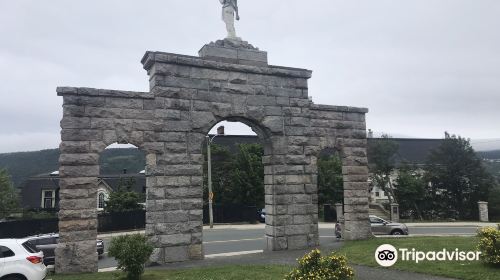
[221,166]
[237,178]
[458,178]
[494,203]
[330,180]
[410,190]
[247,175]
[124,199]
[8,196]
[381,153]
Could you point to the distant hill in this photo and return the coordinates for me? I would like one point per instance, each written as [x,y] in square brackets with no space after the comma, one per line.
[23,165]
[495,154]
[26,164]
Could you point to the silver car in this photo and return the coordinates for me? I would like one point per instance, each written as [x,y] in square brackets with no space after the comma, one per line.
[381,226]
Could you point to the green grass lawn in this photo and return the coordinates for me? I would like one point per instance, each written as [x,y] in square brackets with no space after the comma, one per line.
[357,252]
[363,252]
[219,273]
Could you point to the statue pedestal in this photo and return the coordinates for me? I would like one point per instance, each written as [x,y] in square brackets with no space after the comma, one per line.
[234,51]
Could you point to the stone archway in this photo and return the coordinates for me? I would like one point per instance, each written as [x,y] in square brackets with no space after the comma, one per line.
[187,96]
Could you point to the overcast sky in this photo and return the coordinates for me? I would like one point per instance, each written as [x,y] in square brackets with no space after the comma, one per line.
[422,67]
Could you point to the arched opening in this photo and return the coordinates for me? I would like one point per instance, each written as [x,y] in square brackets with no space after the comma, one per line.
[236,171]
[121,193]
[330,189]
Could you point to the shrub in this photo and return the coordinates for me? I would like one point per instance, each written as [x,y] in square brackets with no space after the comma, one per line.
[131,252]
[489,245]
[314,266]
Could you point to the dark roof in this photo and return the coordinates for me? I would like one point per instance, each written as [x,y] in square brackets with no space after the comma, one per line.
[113,181]
[413,150]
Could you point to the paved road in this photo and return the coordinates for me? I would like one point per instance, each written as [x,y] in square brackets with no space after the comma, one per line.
[227,240]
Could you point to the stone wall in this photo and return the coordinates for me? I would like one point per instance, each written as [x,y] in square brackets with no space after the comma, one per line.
[188,96]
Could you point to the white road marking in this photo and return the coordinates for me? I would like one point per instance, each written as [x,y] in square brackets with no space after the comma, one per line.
[231,254]
[235,240]
[250,239]
[108,269]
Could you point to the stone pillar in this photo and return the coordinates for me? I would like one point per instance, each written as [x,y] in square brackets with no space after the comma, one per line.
[356,195]
[395,212]
[174,217]
[483,211]
[76,250]
[339,208]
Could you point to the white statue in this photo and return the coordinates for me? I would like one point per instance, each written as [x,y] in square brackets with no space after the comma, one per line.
[229,10]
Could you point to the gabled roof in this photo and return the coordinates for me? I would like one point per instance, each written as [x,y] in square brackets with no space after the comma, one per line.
[413,150]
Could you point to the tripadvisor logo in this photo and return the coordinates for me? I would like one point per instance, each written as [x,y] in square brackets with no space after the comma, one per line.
[387,255]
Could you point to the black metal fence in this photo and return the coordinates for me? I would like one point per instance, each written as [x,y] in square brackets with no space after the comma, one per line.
[108,222]
[23,228]
[329,213]
[131,220]
[232,214]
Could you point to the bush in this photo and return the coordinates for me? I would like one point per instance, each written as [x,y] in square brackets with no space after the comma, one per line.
[131,252]
[489,245]
[314,266]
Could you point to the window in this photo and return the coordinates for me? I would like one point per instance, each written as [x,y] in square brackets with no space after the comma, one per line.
[376,220]
[48,199]
[377,194]
[101,200]
[45,241]
[30,247]
[6,252]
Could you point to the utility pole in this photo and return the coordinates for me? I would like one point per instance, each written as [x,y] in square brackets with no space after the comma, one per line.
[210,193]
[220,131]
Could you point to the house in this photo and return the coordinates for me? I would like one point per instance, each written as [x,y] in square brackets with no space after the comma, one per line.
[411,151]
[42,191]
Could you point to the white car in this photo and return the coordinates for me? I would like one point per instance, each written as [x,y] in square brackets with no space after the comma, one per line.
[21,260]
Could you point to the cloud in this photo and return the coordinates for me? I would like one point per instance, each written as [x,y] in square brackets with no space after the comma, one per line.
[422,67]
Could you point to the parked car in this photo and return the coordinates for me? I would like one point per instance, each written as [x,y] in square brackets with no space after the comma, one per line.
[21,260]
[48,243]
[262,215]
[380,226]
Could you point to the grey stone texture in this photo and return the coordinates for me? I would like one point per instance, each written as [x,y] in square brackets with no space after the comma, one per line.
[483,211]
[395,212]
[188,96]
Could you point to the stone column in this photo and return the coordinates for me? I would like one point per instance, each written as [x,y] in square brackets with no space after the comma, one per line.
[395,212]
[483,211]
[339,208]
[356,195]
[174,217]
[76,251]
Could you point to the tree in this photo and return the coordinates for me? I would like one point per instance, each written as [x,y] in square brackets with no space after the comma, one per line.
[330,180]
[221,166]
[237,178]
[8,195]
[410,190]
[124,199]
[458,178]
[381,153]
[247,175]
[494,203]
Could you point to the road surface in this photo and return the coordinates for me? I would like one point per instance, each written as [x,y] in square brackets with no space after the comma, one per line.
[251,238]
